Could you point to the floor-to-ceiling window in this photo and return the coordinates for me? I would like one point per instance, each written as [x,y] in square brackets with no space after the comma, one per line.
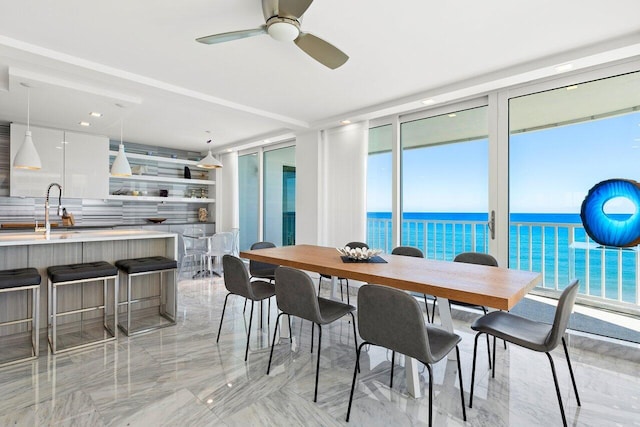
[562,142]
[279,196]
[445,183]
[249,199]
[379,182]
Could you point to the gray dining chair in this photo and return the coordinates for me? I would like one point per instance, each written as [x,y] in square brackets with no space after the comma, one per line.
[352,245]
[262,270]
[536,336]
[417,253]
[478,258]
[236,280]
[393,319]
[296,296]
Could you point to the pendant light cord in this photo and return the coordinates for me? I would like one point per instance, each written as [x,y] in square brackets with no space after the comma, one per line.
[28,106]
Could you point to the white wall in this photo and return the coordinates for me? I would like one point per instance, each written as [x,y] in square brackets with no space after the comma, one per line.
[227,216]
[331,183]
[307,188]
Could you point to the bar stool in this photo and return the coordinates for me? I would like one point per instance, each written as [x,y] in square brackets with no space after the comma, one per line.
[73,274]
[24,279]
[130,268]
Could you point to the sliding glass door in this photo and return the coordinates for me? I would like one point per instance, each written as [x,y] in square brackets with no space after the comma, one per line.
[379,184]
[445,183]
[562,142]
[279,196]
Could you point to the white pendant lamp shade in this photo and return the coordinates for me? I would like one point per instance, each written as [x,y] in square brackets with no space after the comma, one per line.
[209,162]
[120,166]
[27,156]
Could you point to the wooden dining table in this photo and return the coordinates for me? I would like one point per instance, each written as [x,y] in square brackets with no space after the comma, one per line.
[495,287]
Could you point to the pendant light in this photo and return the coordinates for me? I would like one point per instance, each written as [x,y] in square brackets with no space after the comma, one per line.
[209,162]
[120,166]
[27,156]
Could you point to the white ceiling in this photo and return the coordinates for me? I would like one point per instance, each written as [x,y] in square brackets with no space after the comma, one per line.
[81,56]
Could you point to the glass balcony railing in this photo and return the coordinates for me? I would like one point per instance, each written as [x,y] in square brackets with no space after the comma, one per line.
[560,251]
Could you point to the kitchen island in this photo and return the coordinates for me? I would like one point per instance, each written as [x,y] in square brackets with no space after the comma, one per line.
[31,249]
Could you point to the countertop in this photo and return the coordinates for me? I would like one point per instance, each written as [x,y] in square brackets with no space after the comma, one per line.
[101,227]
[67,236]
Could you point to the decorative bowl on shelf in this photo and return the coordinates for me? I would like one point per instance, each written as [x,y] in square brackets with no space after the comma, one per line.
[360,254]
[156,220]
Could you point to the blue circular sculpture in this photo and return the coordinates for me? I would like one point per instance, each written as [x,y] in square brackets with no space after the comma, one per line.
[604,229]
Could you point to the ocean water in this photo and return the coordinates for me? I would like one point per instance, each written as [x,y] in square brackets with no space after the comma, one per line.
[551,243]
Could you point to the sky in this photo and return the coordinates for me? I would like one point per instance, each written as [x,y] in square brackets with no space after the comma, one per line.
[551,170]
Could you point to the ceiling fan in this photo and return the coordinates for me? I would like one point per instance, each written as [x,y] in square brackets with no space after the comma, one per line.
[283,23]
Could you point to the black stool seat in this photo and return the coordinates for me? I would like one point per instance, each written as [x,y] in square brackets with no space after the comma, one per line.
[84,271]
[142,265]
[18,277]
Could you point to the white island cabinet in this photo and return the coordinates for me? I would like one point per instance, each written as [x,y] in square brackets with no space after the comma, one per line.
[21,250]
[77,161]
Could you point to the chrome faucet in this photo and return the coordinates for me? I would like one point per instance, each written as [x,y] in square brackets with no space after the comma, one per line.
[47,223]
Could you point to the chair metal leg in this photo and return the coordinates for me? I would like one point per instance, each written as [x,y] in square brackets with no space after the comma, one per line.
[426,307]
[315,395]
[355,336]
[290,330]
[393,362]
[573,379]
[464,410]
[246,351]
[473,369]
[224,306]
[493,375]
[347,280]
[245,306]
[433,312]
[312,332]
[355,374]
[341,291]
[555,381]
[430,394]
[273,342]
[489,352]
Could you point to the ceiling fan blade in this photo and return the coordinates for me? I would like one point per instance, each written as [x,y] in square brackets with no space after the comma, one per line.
[232,35]
[320,50]
[293,8]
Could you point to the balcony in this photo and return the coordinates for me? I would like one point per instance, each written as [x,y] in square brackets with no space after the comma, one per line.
[609,277]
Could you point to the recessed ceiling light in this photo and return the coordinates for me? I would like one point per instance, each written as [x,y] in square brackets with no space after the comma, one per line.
[428,101]
[95,114]
[572,87]
[564,67]
[229,150]
[345,122]
[266,141]
[84,124]
[451,115]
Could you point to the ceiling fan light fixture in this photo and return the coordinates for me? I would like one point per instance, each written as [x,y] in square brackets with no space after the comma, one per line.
[283,29]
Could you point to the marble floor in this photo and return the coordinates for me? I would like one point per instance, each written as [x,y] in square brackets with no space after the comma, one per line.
[179,376]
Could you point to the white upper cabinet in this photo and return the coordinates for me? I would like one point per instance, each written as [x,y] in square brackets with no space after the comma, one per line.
[86,166]
[79,162]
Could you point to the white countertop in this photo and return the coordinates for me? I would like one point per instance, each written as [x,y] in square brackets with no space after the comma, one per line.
[66,236]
